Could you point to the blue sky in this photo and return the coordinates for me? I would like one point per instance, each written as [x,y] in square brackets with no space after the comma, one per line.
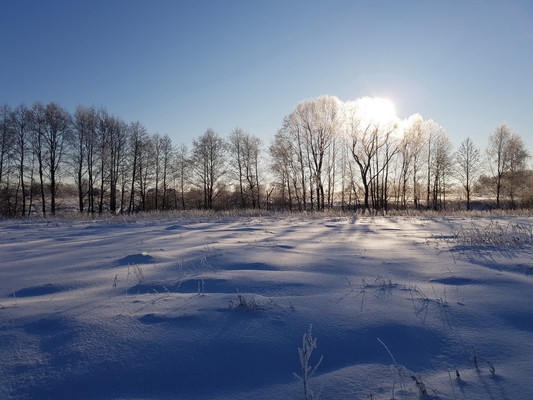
[183,66]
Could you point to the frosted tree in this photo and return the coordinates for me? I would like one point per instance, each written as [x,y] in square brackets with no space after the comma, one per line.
[516,178]
[468,165]
[372,145]
[310,133]
[291,162]
[439,161]
[507,158]
[318,120]
[284,168]
[411,153]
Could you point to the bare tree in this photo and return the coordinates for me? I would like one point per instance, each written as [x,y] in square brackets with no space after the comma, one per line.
[182,174]
[497,154]
[410,151]
[78,155]
[439,163]
[361,147]
[209,165]
[382,161]
[292,136]
[506,155]
[103,156]
[282,166]
[468,159]
[5,139]
[431,132]
[157,168]
[20,125]
[6,152]
[37,139]
[51,127]
[371,147]
[137,139]
[236,152]
[57,130]
[516,178]
[146,170]
[243,150]
[165,163]
[350,195]
[91,148]
[318,121]
[82,153]
[118,138]
[112,136]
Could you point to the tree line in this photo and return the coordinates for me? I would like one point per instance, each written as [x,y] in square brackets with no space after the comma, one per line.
[330,152]
[326,154]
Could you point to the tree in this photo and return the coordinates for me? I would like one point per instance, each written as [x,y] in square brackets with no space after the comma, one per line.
[516,178]
[361,147]
[5,139]
[56,135]
[243,150]
[497,154]
[137,137]
[382,161]
[37,135]
[50,131]
[146,165]
[103,156]
[165,160]
[318,121]
[506,156]
[20,125]
[439,162]
[182,174]
[291,136]
[410,152]
[82,153]
[371,147]
[6,150]
[117,141]
[468,159]
[86,130]
[112,141]
[282,166]
[209,165]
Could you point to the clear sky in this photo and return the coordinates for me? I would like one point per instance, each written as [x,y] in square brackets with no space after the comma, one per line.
[182,66]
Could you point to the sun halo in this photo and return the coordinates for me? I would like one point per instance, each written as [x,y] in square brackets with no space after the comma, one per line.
[378,111]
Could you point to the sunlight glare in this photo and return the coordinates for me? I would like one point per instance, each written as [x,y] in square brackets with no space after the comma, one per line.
[378,110]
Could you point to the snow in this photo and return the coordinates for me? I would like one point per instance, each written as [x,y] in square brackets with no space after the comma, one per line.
[216,308]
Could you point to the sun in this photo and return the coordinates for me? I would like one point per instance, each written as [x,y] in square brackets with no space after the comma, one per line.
[378,111]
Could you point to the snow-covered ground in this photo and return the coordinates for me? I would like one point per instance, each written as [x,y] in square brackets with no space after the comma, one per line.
[184,308]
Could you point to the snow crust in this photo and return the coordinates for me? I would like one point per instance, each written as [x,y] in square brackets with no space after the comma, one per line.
[199,309]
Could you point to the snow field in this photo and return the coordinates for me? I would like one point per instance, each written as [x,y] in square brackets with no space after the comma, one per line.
[182,309]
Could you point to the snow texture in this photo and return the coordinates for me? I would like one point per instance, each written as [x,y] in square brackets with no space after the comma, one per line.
[159,308]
